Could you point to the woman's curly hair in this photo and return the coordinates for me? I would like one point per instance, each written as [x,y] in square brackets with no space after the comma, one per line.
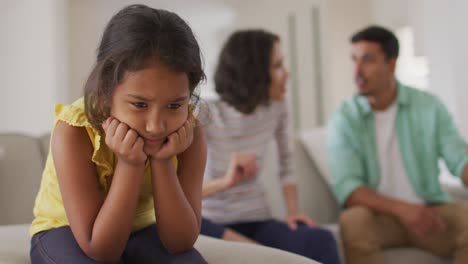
[242,77]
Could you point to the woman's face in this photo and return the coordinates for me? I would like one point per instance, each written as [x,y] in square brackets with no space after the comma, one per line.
[153,102]
[278,73]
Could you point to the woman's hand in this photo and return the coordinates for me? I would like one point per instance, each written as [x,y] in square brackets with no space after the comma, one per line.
[241,167]
[124,142]
[177,142]
[295,219]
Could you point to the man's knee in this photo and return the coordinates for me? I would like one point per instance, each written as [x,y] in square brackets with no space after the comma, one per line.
[459,214]
[357,228]
[356,217]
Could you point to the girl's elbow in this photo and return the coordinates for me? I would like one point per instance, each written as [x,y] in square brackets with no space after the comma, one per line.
[101,255]
[105,257]
[177,247]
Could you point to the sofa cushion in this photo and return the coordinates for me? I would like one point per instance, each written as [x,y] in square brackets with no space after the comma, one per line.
[314,142]
[15,244]
[21,165]
[394,255]
[221,251]
[44,144]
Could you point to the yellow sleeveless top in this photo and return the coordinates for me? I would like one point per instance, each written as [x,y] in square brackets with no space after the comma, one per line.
[49,211]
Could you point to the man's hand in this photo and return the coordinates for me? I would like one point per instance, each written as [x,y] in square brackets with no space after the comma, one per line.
[464,176]
[420,219]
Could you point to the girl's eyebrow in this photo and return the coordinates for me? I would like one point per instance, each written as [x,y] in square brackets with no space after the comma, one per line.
[139,97]
[180,99]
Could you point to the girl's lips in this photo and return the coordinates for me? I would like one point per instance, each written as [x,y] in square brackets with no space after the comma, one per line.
[157,141]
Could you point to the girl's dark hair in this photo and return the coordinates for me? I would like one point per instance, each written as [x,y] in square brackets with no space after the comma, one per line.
[135,38]
[242,77]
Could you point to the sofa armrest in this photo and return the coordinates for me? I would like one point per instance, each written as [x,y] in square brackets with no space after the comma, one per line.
[221,251]
[21,165]
[14,244]
[315,196]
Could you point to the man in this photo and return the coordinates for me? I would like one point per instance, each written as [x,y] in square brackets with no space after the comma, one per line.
[384,145]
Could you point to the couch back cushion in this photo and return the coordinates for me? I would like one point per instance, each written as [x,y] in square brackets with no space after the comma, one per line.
[21,165]
[45,145]
[315,143]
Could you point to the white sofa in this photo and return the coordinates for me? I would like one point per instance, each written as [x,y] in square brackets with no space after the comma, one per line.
[21,161]
[20,171]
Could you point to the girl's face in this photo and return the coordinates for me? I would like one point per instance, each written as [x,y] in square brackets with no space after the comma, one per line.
[278,73]
[153,102]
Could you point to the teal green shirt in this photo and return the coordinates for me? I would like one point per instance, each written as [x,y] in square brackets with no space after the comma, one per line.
[425,132]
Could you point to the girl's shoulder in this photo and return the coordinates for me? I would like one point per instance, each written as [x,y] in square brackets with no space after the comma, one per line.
[72,114]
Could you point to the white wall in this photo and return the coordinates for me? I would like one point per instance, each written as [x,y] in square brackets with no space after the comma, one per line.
[59,38]
[338,19]
[441,35]
[32,65]
[48,48]
[445,38]
[209,19]
[343,19]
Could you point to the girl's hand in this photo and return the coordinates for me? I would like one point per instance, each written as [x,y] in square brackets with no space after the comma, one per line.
[177,142]
[124,142]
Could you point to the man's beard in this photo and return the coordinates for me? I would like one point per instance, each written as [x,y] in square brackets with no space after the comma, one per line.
[365,93]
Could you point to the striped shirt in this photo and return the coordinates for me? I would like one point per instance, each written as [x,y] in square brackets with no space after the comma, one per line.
[230,131]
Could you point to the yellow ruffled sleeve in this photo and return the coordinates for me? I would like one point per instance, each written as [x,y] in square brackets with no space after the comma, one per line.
[74,115]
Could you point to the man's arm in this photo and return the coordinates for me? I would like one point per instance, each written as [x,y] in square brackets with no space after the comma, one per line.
[464,175]
[452,147]
[420,219]
[344,159]
[371,199]
[351,187]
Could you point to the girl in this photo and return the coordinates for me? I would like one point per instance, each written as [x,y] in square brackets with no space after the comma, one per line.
[250,80]
[128,153]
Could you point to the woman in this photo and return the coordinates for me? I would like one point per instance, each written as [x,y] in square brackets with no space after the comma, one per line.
[250,80]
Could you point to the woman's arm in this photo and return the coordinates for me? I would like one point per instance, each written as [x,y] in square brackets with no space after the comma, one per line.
[294,216]
[241,167]
[214,186]
[100,225]
[289,185]
[177,194]
[290,196]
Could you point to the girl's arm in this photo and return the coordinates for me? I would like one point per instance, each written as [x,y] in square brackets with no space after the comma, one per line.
[177,194]
[101,226]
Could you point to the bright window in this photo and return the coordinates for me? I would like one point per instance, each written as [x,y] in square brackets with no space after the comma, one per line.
[411,69]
